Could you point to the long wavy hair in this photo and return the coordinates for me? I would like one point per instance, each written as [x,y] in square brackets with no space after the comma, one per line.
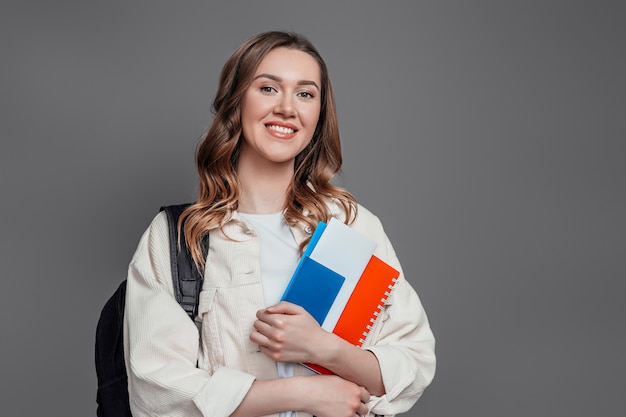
[218,150]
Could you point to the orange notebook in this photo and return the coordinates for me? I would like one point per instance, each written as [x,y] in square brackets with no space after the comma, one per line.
[364,305]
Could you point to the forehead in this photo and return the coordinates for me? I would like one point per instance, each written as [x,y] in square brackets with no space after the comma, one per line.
[290,65]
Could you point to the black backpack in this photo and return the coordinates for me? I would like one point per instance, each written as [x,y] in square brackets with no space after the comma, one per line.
[112,394]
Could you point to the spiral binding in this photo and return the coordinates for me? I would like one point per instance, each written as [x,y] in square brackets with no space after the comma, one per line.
[377,312]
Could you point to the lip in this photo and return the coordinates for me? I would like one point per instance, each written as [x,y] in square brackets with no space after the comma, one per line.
[281,135]
[282,124]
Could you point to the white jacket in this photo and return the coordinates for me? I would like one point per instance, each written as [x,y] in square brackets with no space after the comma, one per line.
[162,346]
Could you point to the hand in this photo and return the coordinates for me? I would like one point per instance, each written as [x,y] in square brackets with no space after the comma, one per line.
[332,396]
[286,332]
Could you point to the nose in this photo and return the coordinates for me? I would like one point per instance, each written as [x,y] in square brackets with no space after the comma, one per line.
[285,106]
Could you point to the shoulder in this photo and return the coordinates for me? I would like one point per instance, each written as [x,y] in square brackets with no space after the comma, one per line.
[154,237]
[362,217]
[370,225]
[152,256]
[367,223]
[366,219]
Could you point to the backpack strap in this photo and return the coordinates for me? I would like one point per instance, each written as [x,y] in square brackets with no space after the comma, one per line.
[186,277]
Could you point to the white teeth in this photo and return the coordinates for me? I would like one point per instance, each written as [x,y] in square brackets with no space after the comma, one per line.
[280,129]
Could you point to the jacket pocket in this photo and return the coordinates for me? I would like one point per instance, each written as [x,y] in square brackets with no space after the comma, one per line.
[227,315]
[210,345]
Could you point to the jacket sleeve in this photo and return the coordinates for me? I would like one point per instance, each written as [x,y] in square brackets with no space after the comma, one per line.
[401,338]
[161,343]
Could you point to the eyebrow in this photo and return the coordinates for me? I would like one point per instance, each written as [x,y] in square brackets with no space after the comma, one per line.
[279,80]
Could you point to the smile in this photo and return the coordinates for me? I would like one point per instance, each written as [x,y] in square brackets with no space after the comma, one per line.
[280,129]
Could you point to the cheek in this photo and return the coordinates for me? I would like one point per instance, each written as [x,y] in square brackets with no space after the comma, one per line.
[252,110]
[312,116]
[245,110]
[247,121]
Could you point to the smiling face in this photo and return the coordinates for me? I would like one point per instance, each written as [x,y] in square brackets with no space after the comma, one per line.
[280,108]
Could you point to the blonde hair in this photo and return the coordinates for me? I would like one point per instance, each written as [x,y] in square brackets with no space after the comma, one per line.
[218,150]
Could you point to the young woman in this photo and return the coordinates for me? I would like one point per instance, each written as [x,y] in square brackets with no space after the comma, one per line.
[264,165]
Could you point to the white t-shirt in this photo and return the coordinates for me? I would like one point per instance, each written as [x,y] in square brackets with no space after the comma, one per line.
[279,257]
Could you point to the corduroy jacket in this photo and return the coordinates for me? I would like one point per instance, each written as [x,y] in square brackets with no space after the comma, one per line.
[180,368]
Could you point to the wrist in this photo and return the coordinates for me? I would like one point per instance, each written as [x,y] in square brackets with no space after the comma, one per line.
[330,351]
[301,387]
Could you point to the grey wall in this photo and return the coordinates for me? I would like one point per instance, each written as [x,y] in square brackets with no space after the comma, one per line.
[488,137]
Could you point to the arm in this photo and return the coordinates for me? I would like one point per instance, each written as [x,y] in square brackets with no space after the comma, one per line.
[395,365]
[401,339]
[405,348]
[397,361]
[161,343]
[287,333]
[161,348]
[320,395]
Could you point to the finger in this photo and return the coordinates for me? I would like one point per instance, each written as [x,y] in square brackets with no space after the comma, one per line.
[259,339]
[273,318]
[262,326]
[260,314]
[365,395]
[285,307]
[262,334]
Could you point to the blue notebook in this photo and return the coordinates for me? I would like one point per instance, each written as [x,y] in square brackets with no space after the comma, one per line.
[313,287]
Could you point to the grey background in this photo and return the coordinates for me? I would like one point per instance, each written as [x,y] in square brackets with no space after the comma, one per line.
[488,137]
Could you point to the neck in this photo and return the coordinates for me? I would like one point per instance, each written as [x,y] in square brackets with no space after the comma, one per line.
[263,187]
